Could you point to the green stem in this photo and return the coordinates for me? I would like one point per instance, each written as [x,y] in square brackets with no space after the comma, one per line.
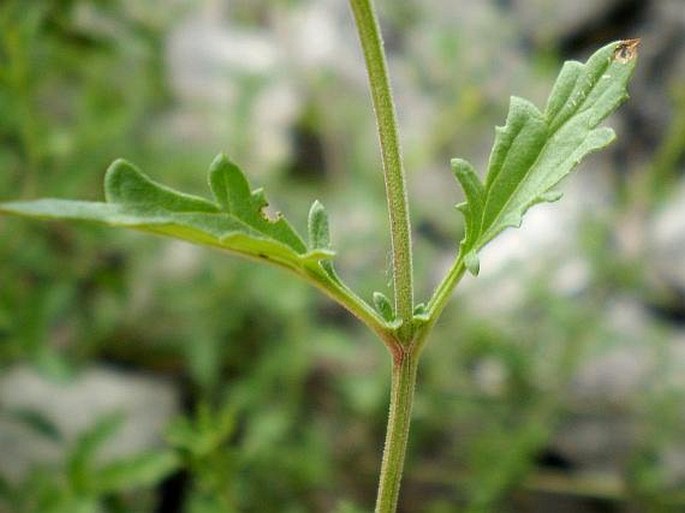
[404,352]
[444,290]
[401,399]
[395,183]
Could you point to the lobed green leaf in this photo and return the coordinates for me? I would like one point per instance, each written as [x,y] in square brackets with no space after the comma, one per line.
[534,151]
[236,220]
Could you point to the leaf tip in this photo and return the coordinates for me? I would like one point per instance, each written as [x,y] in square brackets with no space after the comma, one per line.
[219,163]
[221,159]
[118,167]
[461,168]
[626,50]
[316,206]
[318,227]
[226,181]
[119,176]
[457,163]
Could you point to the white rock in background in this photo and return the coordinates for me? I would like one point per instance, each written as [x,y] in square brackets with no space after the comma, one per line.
[232,89]
[146,404]
[597,443]
[619,365]
[203,53]
[667,241]
[315,35]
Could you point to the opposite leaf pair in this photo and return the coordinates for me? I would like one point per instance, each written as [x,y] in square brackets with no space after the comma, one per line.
[532,153]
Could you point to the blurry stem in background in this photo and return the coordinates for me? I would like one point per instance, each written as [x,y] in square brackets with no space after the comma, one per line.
[393,170]
[404,355]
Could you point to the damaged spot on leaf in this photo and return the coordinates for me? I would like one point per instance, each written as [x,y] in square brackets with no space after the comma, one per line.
[269,214]
[626,50]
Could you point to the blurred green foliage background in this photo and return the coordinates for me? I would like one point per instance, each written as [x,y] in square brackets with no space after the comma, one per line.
[280,397]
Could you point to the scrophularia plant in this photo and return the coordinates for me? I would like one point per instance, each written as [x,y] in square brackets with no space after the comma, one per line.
[532,153]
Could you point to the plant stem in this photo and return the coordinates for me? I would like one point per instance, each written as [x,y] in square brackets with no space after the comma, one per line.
[444,290]
[404,352]
[404,368]
[395,183]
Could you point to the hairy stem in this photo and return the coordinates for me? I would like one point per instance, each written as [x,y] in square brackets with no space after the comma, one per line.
[395,183]
[444,290]
[404,355]
[401,399]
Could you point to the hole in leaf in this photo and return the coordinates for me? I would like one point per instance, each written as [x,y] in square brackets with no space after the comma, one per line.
[270,214]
